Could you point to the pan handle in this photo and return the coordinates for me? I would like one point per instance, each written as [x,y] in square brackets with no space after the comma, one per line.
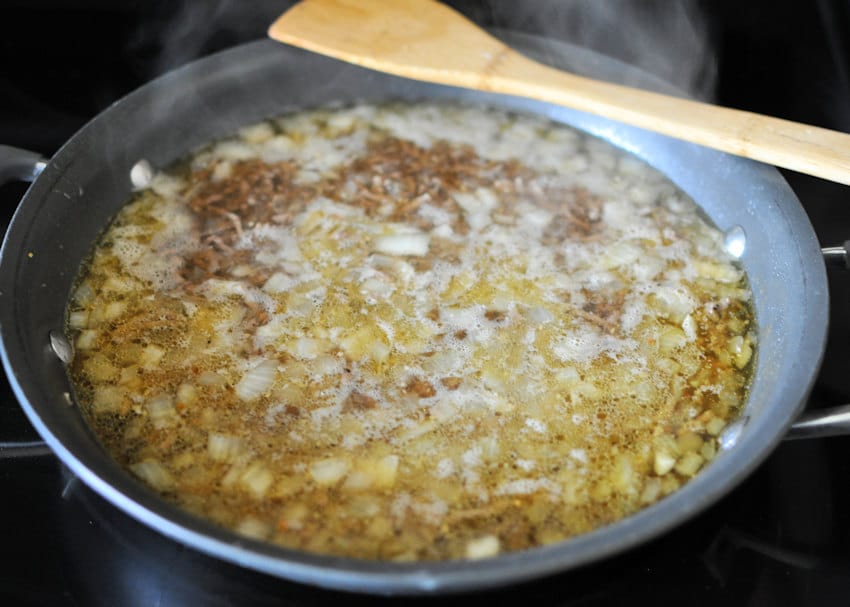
[834,421]
[19,165]
[17,449]
[837,257]
[822,423]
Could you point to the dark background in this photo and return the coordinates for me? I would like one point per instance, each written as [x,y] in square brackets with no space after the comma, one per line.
[781,538]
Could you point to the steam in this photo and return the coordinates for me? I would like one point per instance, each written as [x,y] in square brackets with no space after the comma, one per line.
[188,29]
[667,39]
[670,40]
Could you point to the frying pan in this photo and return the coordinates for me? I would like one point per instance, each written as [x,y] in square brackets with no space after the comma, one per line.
[72,199]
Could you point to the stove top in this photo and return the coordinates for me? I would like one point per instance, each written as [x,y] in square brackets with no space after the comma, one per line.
[781,537]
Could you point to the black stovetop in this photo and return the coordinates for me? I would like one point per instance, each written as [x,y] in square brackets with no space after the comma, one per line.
[780,538]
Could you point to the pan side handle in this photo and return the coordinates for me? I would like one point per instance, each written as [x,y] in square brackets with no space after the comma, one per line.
[834,421]
[837,257]
[19,165]
[822,423]
[17,449]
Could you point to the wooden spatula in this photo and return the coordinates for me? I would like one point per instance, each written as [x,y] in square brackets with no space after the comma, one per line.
[425,40]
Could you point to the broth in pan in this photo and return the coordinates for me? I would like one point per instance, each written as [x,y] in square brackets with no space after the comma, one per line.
[411,332]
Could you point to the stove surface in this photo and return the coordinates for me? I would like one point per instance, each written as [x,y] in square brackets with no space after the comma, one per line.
[781,537]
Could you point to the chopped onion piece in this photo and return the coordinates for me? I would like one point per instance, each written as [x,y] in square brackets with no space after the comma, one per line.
[162,412]
[86,339]
[211,378]
[186,395]
[84,294]
[689,464]
[167,186]
[257,133]
[384,471]
[257,380]
[308,347]
[257,479]
[664,462]
[482,547]
[224,447]
[253,528]
[279,283]
[78,319]
[107,399]
[358,480]
[670,339]
[150,357]
[403,244]
[329,471]
[114,309]
[153,473]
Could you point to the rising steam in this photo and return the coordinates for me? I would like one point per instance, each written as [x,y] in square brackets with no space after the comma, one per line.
[667,39]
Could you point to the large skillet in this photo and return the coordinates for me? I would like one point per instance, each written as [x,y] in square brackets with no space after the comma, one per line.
[85,183]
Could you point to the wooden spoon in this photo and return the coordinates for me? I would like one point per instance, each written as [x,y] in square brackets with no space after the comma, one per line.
[425,40]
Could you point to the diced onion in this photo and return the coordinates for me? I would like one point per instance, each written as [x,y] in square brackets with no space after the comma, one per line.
[167,186]
[114,309]
[539,315]
[358,480]
[211,378]
[151,357]
[86,339]
[329,471]
[385,470]
[403,244]
[107,399]
[257,380]
[675,303]
[186,395]
[78,319]
[257,133]
[620,254]
[671,338]
[234,150]
[307,347]
[253,528]
[257,479]
[689,464]
[482,547]
[724,273]
[224,447]
[689,326]
[664,462]
[84,294]
[279,283]
[162,412]
[715,426]
[651,491]
[154,473]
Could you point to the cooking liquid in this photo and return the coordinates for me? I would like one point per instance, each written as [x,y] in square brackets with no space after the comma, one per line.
[411,332]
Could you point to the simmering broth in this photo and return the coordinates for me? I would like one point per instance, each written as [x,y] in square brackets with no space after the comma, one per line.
[411,332]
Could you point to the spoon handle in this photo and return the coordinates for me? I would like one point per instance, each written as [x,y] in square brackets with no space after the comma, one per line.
[800,147]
